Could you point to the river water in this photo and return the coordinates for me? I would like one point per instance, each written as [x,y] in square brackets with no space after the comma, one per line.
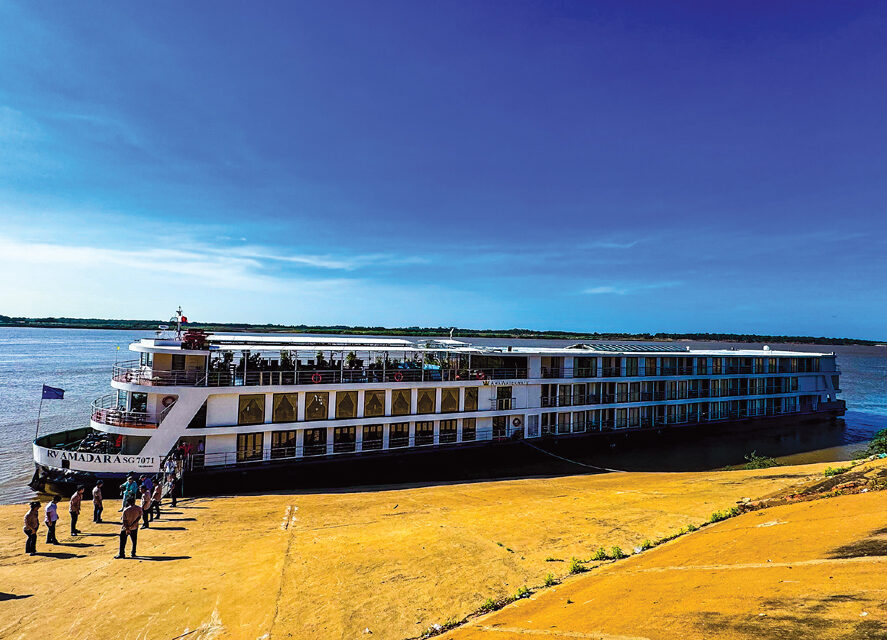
[80,360]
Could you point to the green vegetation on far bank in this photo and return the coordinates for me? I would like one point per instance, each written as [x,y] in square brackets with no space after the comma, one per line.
[150,325]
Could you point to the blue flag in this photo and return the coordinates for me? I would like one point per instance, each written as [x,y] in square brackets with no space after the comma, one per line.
[51,393]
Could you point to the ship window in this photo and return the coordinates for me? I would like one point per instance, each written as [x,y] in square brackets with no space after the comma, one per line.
[701,365]
[251,410]
[631,366]
[424,433]
[470,398]
[372,437]
[317,405]
[178,362]
[449,400]
[285,407]
[346,404]
[447,431]
[315,442]
[398,435]
[650,366]
[138,403]
[425,402]
[374,404]
[249,446]
[344,439]
[469,429]
[283,444]
[400,402]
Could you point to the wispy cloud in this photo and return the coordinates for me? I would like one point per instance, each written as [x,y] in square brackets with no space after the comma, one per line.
[344,262]
[626,289]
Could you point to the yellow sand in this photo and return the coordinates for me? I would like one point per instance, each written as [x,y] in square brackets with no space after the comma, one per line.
[334,564]
[800,571]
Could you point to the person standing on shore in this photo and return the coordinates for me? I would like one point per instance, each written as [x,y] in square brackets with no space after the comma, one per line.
[51,518]
[97,507]
[173,486]
[128,490]
[74,508]
[155,500]
[32,523]
[129,527]
[146,506]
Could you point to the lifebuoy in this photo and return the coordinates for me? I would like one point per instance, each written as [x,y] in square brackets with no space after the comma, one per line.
[516,422]
[316,377]
[168,400]
[398,377]
[128,376]
[480,375]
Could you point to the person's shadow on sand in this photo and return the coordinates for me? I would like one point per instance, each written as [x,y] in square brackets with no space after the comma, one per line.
[13,596]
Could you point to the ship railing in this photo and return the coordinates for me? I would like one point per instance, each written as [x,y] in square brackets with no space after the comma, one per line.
[148,377]
[369,375]
[106,410]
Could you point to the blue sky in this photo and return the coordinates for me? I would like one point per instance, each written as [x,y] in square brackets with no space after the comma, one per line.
[586,166]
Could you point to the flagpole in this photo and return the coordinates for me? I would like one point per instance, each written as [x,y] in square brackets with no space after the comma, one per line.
[39,410]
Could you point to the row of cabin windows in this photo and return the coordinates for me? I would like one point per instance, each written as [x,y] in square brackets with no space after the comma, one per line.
[630,366]
[595,392]
[284,444]
[251,409]
[573,421]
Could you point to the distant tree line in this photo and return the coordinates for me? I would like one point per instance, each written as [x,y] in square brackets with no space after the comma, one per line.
[150,325]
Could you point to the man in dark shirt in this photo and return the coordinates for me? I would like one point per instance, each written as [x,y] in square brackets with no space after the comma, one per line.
[32,523]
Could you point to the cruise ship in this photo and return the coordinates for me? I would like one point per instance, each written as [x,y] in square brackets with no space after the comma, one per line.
[250,404]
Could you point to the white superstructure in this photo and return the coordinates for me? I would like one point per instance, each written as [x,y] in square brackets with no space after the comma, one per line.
[241,399]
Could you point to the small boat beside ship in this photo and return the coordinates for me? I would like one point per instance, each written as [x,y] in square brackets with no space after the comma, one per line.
[248,405]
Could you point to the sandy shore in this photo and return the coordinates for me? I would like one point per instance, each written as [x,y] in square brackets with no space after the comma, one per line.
[393,561]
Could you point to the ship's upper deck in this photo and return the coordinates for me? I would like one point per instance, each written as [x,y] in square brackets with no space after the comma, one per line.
[219,342]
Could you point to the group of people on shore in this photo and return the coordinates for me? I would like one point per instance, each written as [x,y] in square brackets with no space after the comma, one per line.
[148,491]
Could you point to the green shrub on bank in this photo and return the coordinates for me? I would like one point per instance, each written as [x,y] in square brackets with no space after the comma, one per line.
[616,553]
[522,592]
[600,554]
[646,544]
[576,565]
[877,446]
[835,471]
[489,605]
[717,516]
[550,580]
[754,461]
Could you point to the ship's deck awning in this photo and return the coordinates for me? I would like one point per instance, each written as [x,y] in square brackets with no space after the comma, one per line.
[248,342]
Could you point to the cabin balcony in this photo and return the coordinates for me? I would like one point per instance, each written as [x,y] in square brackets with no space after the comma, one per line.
[106,411]
[133,373]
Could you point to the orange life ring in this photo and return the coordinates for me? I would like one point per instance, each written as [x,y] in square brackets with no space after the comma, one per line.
[398,377]
[316,377]
[480,375]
